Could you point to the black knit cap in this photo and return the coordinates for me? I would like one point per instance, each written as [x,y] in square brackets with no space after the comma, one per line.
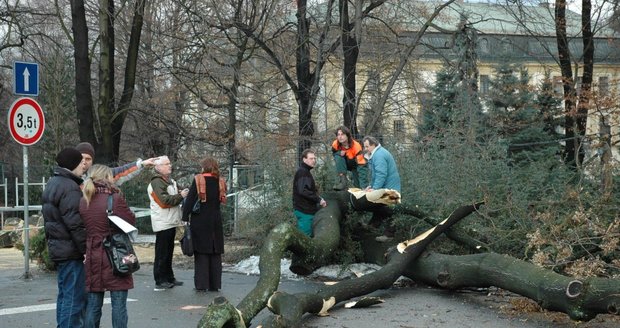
[86,148]
[69,158]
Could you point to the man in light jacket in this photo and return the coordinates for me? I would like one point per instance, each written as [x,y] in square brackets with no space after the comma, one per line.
[165,217]
[383,170]
[384,175]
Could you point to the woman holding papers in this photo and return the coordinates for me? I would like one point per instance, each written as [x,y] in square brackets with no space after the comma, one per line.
[99,276]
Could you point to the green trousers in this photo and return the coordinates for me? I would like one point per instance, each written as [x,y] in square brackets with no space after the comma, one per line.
[304,222]
[359,173]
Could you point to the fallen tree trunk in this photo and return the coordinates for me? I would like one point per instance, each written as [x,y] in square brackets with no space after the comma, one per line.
[581,299]
[308,253]
[290,308]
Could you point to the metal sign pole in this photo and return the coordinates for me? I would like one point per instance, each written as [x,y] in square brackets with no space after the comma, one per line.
[26,218]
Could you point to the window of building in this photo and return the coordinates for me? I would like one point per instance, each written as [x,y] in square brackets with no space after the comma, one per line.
[603,85]
[484,45]
[399,128]
[507,46]
[485,84]
[247,176]
[578,85]
[558,87]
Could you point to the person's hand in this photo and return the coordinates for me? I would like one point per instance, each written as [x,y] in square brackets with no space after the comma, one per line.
[368,189]
[323,203]
[150,161]
[184,192]
[342,153]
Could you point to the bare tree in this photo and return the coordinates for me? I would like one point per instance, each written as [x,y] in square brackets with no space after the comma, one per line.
[103,127]
[403,58]
[351,34]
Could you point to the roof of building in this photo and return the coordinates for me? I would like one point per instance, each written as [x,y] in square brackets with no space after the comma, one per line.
[493,17]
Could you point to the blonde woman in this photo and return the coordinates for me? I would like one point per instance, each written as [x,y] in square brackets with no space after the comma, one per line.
[99,276]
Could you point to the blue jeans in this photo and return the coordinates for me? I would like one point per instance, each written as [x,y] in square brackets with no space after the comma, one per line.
[119,309]
[71,294]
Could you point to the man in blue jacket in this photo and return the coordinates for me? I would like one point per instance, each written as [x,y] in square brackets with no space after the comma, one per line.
[384,175]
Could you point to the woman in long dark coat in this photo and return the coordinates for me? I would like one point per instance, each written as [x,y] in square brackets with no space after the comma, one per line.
[99,276]
[206,227]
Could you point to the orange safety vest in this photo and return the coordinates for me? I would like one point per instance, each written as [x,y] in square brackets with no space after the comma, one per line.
[353,152]
[201,187]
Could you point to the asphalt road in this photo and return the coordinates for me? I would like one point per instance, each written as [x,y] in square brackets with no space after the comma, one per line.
[31,303]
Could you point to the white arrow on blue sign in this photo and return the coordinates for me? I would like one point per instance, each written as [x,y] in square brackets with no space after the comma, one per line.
[26,78]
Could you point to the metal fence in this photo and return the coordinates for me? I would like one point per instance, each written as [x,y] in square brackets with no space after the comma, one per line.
[16,204]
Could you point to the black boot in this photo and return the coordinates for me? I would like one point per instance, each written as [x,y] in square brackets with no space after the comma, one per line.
[342,183]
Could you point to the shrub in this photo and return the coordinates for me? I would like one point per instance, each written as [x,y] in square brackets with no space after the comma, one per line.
[38,251]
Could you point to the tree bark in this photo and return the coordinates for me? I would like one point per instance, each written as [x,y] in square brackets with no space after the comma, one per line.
[571,119]
[104,133]
[350,53]
[581,299]
[83,95]
[131,64]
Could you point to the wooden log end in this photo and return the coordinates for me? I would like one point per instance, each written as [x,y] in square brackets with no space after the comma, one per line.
[612,308]
[573,289]
[443,279]
[220,300]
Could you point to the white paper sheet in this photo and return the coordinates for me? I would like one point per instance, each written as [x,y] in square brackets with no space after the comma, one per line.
[126,227]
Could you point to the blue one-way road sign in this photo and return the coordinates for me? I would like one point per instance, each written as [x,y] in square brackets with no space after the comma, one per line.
[26,80]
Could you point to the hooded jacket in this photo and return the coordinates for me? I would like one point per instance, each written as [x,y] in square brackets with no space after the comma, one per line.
[64,229]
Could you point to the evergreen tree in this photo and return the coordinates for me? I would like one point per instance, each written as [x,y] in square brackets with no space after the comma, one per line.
[437,117]
[455,99]
[550,107]
[518,115]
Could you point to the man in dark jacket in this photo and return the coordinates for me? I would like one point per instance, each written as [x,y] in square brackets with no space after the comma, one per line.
[66,236]
[306,200]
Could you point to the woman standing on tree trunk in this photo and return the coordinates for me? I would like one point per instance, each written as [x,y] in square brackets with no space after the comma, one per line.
[207,228]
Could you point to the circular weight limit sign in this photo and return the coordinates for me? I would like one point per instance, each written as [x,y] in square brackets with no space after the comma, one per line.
[26,121]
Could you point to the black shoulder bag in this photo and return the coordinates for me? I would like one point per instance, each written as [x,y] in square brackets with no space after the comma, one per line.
[119,249]
[187,245]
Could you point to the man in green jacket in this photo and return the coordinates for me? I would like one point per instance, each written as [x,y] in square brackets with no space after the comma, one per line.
[165,217]
[121,173]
